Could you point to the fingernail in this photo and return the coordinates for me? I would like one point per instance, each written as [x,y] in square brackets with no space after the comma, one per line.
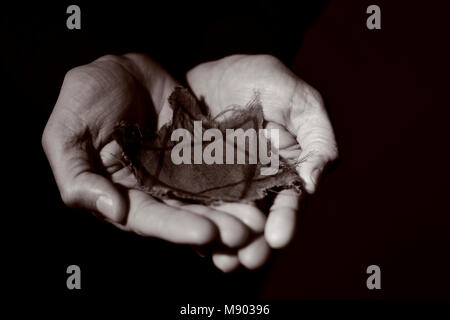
[105,206]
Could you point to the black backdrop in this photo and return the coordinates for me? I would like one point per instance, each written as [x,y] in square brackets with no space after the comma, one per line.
[384,201]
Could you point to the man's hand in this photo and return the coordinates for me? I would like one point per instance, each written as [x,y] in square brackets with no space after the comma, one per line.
[86,161]
[290,105]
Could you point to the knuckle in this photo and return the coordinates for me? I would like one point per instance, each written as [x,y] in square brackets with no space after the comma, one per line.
[123,63]
[111,58]
[312,99]
[96,73]
[130,57]
[81,79]
[76,74]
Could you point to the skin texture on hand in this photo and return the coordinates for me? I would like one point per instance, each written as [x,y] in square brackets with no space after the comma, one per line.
[133,88]
[92,100]
[290,105]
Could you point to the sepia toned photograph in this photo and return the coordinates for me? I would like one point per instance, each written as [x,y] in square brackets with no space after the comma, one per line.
[228,159]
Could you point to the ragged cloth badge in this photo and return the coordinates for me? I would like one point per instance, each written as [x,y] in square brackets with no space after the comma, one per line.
[151,156]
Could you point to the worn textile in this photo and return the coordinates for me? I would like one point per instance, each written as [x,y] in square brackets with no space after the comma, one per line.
[149,157]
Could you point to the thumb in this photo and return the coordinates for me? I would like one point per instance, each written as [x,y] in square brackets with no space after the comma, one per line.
[315,135]
[79,185]
[311,166]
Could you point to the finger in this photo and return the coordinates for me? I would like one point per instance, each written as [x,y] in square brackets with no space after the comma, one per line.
[289,149]
[226,261]
[254,255]
[308,121]
[282,219]
[233,233]
[80,186]
[246,212]
[110,157]
[292,154]
[174,202]
[287,140]
[125,178]
[160,90]
[311,165]
[151,218]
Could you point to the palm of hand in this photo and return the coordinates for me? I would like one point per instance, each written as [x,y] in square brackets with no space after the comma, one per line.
[94,98]
[107,92]
[240,225]
[235,80]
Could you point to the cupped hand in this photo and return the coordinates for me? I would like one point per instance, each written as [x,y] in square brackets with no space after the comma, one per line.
[306,137]
[85,159]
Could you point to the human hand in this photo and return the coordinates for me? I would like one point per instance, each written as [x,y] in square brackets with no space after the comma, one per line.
[86,162]
[84,159]
[290,105]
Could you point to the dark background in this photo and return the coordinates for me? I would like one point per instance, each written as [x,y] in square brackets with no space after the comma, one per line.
[384,202]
